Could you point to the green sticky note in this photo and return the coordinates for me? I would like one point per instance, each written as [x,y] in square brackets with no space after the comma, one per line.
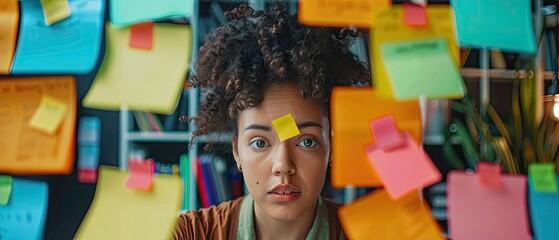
[5,189]
[286,127]
[543,177]
[422,68]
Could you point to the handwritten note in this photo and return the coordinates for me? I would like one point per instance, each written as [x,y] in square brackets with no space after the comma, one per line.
[49,114]
[544,212]
[415,15]
[123,13]
[403,169]
[157,87]
[9,17]
[376,216]
[141,175]
[506,25]
[386,134]
[141,35]
[543,177]
[489,174]
[25,215]
[118,213]
[351,131]
[341,13]
[55,10]
[471,206]
[5,189]
[285,127]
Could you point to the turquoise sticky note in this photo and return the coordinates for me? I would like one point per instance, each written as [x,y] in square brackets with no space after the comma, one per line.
[544,212]
[506,25]
[126,12]
[422,68]
[71,46]
[25,215]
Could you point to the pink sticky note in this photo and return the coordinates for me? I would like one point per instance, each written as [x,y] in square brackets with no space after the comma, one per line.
[415,15]
[141,175]
[386,134]
[141,35]
[403,169]
[87,176]
[489,174]
[482,213]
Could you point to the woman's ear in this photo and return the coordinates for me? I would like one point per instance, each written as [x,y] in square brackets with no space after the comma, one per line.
[234,144]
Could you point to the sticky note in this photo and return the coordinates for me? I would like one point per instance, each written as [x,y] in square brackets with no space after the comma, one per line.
[49,114]
[89,131]
[543,177]
[391,28]
[479,212]
[154,89]
[422,68]
[72,46]
[5,189]
[87,175]
[489,174]
[341,13]
[544,212]
[376,216]
[88,157]
[505,25]
[25,215]
[351,111]
[387,135]
[123,13]
[55,10]
[118,213]
[9,17]
[141,35]
[414,15]
[403,169]
[285,127]
[141,175]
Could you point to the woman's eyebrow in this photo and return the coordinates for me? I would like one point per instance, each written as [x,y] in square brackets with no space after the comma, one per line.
[268,128]
[308,124]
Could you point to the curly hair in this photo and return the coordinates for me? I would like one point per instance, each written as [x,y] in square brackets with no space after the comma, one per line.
[255,49]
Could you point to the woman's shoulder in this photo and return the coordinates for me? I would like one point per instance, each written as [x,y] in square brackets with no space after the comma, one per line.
[215,222]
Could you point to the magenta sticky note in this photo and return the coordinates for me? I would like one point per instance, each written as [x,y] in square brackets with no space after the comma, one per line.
[415,15]
[403,169]
[385,133]
[476,211]
[141,175]
[489,174]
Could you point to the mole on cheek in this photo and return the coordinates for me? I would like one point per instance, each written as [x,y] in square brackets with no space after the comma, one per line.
[256,182]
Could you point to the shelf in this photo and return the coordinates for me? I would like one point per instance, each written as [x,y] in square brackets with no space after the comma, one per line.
[500,73]
[439,140]
[137,136]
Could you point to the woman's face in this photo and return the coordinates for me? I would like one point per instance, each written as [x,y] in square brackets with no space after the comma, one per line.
[284,178]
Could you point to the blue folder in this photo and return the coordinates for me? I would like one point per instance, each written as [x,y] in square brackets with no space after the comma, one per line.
[544,213]
[70,46]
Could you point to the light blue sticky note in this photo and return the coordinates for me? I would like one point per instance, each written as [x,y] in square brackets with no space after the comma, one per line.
[505,25]
[88,157]
[71,46]
[127,12]
[25,215]
[89,131]
[544,212]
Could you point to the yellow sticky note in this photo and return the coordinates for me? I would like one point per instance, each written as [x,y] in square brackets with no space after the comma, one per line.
[55,10]
[121,213]
[286,127]
[49,114]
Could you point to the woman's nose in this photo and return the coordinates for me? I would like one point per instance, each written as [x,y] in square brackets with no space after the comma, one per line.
[283,160]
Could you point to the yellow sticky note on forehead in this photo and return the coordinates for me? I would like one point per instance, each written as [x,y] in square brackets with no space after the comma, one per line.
[286,127]
[49,114]
[55,10]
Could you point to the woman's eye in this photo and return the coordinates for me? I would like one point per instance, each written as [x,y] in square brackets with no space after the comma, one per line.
[259,144]
[308,143]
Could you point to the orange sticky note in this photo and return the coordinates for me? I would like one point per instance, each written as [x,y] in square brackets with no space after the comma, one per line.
[141,175]
[55,10]
[489,174]
[403,169]
[285,127]
[414,15]
[376,216]
[351,110]
[9,17]
[485,213]
[49,115]
[141,35]
[341,13]
[387,135]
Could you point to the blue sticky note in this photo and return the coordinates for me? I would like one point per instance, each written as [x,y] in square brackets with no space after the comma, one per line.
[88,157]
[71,46]
[544,212]
[25,215]
[126,12]
[505,25]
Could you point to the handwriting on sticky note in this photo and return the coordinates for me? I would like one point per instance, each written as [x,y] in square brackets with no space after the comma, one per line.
[341,13]
[543,177]
[386,134]
[285,127]
[489,173]
[55,10]
[415,15]
[49,114]
[141,35]
[141,175]
[5,189]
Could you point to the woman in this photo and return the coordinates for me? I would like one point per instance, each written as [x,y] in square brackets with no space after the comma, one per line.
[258,67]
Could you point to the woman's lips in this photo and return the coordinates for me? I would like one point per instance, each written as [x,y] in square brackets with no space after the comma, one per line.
[284,193]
